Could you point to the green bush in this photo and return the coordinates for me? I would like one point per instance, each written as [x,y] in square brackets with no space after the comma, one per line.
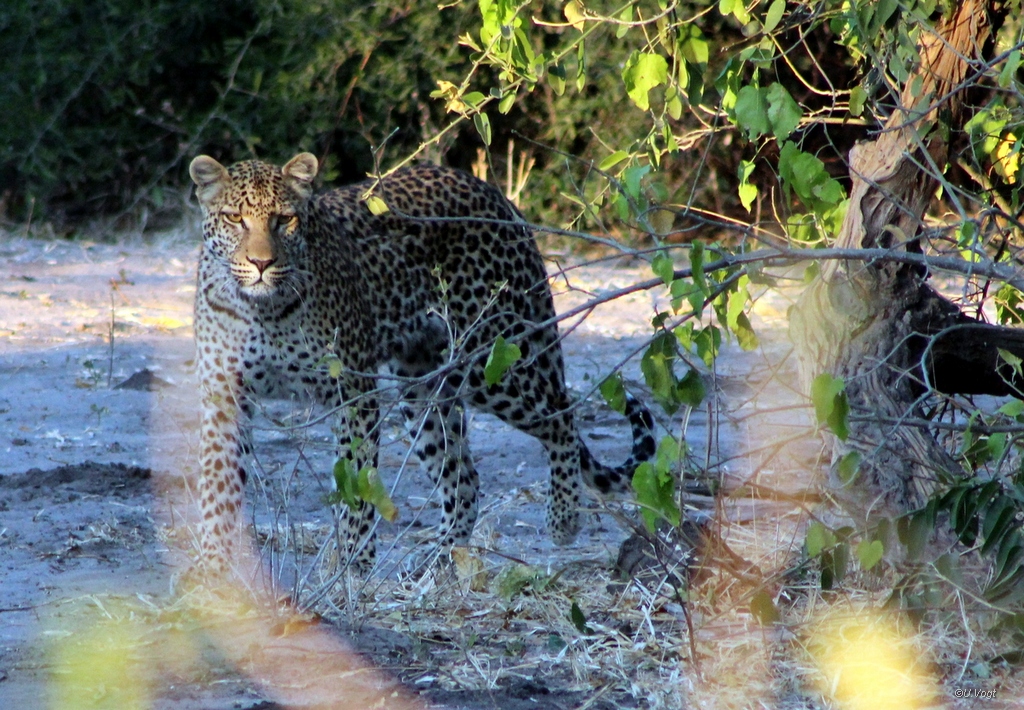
[104,102]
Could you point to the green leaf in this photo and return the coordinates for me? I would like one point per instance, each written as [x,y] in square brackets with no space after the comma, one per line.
[693,45]
[830,404]
[751,111]
[626,16]
[827,574]
[613,160]
[631,178]
[774,15]
[657,367]
[1012,360]
[735,8]
[737,319]
[690,390]
[870,553]
[334,367]
[848,467]
[762,607]
[806,174]
[573,12]
[506,103]
[840,560]
[668,455]
[747,191]
[858,97]
[783,112]
[1014,408]
[919,531]
[500,359]
[745,335]
[708,342]
[996,446]
[491,25]
[579,620]
[662,267]
[654,486]
[473,98]
[1009,69]
[614,393]
[483,127]
[818,538]
[345,484]
[998,523]
[948,566]
[674,106]
[581,67]
[643,72]
[372,490]
[556,78]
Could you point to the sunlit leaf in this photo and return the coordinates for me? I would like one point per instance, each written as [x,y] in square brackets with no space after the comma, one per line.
[643,72]
[774,15]
[613,160]
[376,205]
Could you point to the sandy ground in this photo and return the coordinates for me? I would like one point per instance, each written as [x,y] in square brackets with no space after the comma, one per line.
[94,494]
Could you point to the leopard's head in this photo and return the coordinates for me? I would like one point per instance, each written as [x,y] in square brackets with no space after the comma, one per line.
[254,216]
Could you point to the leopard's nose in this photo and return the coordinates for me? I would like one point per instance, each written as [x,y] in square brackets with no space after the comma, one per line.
[261,264]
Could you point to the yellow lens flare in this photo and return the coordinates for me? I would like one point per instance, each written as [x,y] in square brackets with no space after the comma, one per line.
[101,666]
[868,663]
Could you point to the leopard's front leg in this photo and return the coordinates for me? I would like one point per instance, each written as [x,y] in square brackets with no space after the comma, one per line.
[224,438]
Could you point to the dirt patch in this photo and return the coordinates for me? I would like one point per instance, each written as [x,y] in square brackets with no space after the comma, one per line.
[115,479]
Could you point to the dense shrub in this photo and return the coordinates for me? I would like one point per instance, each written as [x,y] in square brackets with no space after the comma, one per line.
[104,101]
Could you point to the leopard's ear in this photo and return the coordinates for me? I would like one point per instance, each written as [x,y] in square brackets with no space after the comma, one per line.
[299,173]
[209,176]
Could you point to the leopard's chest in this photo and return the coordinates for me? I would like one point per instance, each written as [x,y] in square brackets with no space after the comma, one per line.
[287,358]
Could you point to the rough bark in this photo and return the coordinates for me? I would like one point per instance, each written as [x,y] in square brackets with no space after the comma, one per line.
[879,325]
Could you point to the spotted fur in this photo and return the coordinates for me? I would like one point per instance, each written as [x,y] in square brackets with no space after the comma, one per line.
[291,282]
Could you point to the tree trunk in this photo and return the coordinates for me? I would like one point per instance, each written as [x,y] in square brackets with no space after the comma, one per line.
[879,326]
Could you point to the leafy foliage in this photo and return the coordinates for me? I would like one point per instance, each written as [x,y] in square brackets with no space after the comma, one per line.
[655,484]
[355,487]
[105,102]
[501,357]
[831,407]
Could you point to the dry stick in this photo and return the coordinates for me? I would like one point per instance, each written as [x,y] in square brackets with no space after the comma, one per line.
[110,363]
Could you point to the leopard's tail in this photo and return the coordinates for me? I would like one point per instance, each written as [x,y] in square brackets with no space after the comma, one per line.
[610,480]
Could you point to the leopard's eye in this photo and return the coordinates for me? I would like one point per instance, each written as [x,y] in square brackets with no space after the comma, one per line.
[233,217]
[286,221]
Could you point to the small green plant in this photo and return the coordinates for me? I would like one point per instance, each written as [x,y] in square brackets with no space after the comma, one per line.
[99,411]
[355,487]
[655,484]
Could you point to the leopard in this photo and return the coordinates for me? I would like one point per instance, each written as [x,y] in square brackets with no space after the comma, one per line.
[318,294]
